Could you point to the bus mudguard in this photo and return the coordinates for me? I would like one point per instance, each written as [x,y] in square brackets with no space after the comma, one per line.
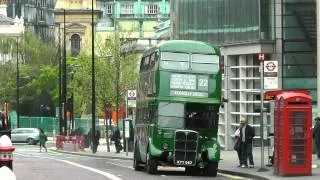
[154,151]
[213,149]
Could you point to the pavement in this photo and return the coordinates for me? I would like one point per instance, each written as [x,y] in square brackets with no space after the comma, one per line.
[227,165]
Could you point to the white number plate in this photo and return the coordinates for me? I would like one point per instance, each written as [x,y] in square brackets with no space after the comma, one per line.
[184,162]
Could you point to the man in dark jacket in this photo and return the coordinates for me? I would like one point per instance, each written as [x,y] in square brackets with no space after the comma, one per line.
[95,142]
[246,136]
[316,135]
[117,140]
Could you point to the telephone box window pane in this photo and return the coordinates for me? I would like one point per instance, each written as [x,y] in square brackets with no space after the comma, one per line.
[297,142]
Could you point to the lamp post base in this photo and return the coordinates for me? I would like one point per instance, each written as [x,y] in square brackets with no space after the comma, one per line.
[263,170]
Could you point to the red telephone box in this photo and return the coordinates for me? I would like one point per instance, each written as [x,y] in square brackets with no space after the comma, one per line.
[293,134]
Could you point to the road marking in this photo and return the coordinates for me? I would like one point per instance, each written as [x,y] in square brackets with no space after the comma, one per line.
[232,177]
[120,165]
[221,174]
[108,175]
[23,155]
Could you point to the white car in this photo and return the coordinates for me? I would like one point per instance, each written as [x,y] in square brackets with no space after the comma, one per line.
[27,135]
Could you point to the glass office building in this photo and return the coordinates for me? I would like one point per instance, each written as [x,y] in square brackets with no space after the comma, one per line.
[299,45]
[223,21]
[284,30]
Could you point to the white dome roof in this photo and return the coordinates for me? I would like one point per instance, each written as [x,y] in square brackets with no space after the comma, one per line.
[6,174]
[5,141]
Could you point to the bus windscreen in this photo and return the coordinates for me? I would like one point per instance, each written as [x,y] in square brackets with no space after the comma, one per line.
[193,62]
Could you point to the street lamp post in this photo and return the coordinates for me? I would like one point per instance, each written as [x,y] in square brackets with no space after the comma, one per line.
[108,118]
[72,99]
[261,59]
[64,75]
[18,84]
[117,90]
[93,79]
[60,98]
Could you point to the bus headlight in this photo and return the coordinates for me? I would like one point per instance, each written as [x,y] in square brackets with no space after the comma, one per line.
[165,146]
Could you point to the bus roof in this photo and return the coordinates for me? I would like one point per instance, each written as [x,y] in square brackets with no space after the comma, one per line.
[188,46]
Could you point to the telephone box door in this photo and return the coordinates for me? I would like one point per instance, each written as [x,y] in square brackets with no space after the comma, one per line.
[299,123]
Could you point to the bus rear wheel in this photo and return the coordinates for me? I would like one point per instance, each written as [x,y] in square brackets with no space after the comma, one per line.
[151,164]
[211,169]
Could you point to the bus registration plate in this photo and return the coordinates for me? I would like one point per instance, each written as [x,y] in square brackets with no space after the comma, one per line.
[184,162]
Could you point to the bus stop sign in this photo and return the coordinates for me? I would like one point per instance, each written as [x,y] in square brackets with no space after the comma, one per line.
[261,57]
[131,94]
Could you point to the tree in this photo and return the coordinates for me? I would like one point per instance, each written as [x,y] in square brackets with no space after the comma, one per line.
[108,54]
[128,61]
[38,72]
[39,77]
[40,66]
[7,70]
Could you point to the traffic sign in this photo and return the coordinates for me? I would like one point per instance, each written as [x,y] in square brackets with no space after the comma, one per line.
[131,94]
[270,74]
[132,103]
[270,67]
[261,57]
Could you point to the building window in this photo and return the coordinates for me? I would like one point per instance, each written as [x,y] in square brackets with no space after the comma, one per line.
[75,44]
[108,8]
[43,3]
[127,9]
[152,9]
[42,15]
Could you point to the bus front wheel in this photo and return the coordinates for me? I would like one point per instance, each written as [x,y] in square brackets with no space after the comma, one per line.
[211,169]
[151,164]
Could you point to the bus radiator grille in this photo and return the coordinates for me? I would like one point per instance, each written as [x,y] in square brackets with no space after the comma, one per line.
[185,147]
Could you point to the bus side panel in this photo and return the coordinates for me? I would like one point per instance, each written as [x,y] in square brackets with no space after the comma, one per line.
[142,138]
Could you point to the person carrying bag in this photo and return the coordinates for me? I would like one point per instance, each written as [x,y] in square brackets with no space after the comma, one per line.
[237,144]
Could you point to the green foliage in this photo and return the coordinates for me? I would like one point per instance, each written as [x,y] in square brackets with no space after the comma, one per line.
[38,73]
[39,79]
[7,83]
[107,55]
[81,83]
[111,53]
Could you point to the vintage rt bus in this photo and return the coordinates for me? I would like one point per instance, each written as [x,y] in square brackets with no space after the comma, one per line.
[178,101]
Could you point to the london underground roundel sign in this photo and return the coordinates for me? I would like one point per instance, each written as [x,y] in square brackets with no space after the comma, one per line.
[131,94]
[270,66]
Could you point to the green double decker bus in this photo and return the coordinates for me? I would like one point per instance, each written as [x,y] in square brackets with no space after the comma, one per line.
[178,101]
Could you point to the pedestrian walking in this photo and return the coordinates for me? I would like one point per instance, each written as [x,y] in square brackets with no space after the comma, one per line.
[237,144]
[246,135]
[42,139]
[95,142]
[116,138]
[316,135]
[89,138]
